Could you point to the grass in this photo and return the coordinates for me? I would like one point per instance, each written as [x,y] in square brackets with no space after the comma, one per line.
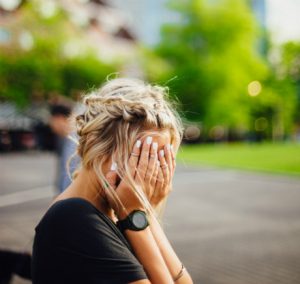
[283,158]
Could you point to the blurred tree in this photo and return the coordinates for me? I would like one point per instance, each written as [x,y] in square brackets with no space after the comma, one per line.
[276,106]
[212,52]
[289,69]
[279,99]
[45,57]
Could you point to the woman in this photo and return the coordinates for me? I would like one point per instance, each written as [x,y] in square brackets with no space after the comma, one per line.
[103,228]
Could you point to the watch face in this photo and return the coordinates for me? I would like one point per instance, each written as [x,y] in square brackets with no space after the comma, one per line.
[139,220]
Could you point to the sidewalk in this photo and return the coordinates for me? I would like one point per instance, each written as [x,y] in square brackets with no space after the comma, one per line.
[228,227]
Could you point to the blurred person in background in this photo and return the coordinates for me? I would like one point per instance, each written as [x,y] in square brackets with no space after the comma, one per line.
[104,227]
[65,147]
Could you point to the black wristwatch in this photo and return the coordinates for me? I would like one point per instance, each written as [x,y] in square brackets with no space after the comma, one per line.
[135,221]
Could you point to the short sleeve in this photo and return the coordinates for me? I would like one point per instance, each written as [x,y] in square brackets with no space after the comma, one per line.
[88,244]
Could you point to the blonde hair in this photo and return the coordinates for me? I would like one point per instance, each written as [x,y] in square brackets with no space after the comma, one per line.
[116,115]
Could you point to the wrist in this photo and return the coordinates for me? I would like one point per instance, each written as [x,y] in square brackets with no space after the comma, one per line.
[124,212]
[137,220]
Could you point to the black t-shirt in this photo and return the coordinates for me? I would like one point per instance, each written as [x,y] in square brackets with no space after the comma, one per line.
[76,243]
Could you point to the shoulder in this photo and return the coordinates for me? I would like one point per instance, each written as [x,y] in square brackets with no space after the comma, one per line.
[73,215]
[74,231]
[67,208]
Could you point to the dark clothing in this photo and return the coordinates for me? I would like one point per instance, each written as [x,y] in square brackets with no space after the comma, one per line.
[12,262]
[76,243]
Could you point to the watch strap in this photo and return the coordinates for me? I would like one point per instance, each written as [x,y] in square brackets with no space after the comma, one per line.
[127,223]
[124,224]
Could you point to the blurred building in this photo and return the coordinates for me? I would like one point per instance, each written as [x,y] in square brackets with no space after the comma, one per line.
[259,9]
[145,17]
[104,27]
[94,25]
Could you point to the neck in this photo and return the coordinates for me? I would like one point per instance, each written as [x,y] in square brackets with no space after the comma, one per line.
[86,186]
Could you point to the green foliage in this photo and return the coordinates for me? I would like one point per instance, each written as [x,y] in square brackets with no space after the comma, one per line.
[279,101]
[45,68]
[290,70]
[212,53]
[84,73]
[27,75]
[277,104]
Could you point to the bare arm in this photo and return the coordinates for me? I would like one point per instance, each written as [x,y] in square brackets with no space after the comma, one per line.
[164,180]
[150,245]
[171,259]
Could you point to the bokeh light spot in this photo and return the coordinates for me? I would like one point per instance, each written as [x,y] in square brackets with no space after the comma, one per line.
[254,88]
[217,132]
[9,5]
[192,133]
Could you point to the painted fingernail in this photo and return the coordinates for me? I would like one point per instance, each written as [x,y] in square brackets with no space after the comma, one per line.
[113,166]
[155,146]
[138,143]
[149,140]
[162,153]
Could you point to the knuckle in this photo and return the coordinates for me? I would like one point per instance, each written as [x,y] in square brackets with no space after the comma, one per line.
[143,167]
[147,177]
[150,167]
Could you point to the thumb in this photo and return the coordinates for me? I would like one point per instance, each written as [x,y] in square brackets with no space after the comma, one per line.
[112,175]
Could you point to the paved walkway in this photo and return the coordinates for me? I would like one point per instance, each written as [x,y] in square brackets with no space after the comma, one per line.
[228,227]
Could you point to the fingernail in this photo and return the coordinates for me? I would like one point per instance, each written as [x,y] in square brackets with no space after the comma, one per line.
[168,147]
[149,140]
[158,162]
[162,153]
[113,166]
[138,143]
[171,147]
[155,146]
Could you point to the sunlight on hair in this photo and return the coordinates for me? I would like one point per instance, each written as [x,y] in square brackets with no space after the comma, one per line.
[116,115]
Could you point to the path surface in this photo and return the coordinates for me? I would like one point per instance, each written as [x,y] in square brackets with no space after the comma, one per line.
[228,227]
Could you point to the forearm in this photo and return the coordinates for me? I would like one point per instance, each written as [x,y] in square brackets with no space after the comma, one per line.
[149,255]
[172,261]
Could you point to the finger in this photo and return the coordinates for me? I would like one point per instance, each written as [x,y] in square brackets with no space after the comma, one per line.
[112,176]
[155,174]
[144,159]
[154,178]
[158,194]
[167,150]
[111,179]
[134,157]
[152,162]
[173,159]
[164,166]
